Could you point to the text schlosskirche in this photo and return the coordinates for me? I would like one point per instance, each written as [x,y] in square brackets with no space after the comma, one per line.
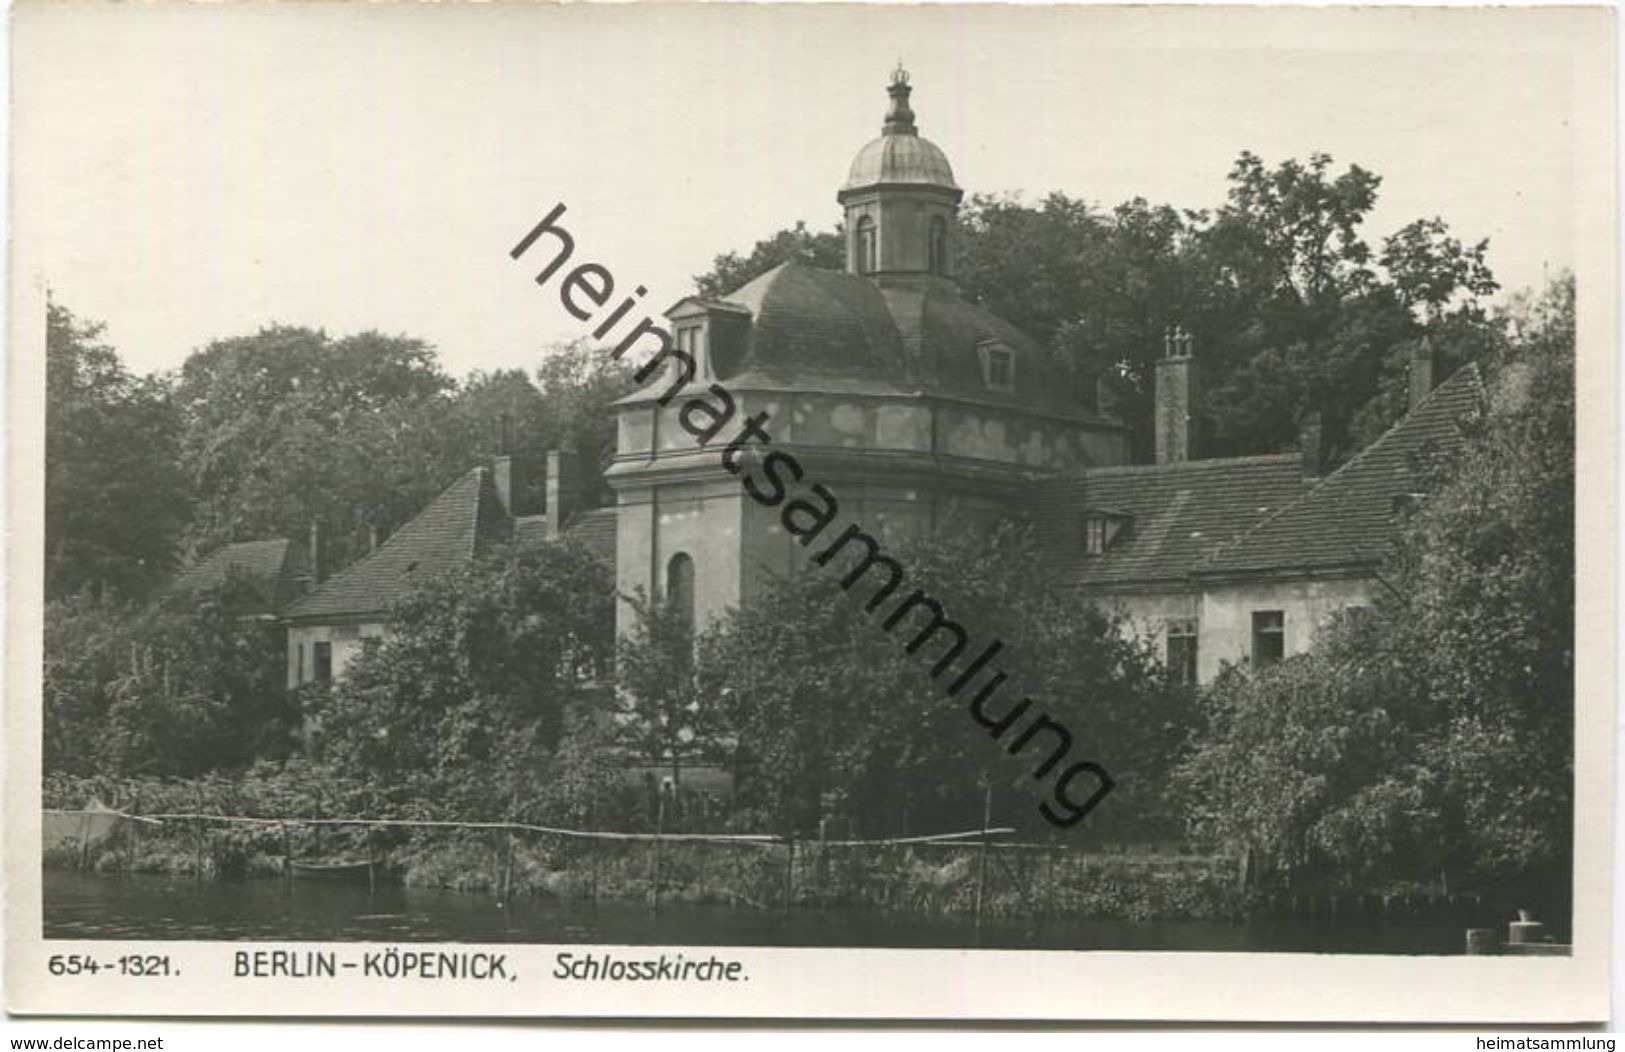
[807,510]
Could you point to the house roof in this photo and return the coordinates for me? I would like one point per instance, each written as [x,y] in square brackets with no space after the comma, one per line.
[593,528]
[1177,515]
[1348,518]
[464,520]
[274,570]
[443,536]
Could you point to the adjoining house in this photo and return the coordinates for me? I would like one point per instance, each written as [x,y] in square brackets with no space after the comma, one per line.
[914,403]
[329,627]
[257,579]
[1242,559]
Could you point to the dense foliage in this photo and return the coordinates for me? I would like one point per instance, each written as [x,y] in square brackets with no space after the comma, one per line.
[464,705]
[115,498]
[175,689]
[823,715]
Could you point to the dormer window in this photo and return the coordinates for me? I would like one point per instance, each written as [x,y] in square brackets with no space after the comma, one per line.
[998,366]
[1100,528]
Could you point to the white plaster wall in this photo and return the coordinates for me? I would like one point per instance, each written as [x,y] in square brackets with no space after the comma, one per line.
[1225,633]
[346,641]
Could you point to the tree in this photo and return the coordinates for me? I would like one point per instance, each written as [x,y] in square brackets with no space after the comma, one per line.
[290,427]
[115,501]
[665,715]
[179,688]
[830,717]
[468,699]
[730,270]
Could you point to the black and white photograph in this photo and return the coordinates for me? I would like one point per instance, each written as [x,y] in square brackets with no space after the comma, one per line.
[751,510]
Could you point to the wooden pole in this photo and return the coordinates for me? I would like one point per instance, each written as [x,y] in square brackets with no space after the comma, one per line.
[789,872]
[197,868]
[84,841]
[981,869]
[1049,881]
[287,852]
[654,856]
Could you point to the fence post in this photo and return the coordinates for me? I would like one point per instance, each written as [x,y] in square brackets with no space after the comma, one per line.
[789,871]
[981,870]
[654,857]
[287,852]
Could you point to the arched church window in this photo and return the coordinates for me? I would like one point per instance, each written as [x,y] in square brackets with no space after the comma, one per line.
[680,588]
[866,245]
[939,245]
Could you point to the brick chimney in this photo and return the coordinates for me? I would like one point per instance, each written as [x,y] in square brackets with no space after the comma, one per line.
[1421,371]
[517,485]
[564,489]
[1312,445]
[316,552]
[1177,397]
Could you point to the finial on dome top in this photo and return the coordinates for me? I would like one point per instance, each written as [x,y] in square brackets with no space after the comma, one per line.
[899,118]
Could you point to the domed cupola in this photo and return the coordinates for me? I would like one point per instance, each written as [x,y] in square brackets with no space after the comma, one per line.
[900,199]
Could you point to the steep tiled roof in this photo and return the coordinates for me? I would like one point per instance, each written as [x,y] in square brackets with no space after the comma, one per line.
[1177,515]
[595,530]
[1347,520]
[445,535]
[271,569]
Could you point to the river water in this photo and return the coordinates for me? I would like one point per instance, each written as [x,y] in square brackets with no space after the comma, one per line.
[85,906]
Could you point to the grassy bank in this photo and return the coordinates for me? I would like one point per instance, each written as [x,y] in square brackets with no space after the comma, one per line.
[935,879]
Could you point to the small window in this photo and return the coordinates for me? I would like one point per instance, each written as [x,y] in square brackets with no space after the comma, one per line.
[324,662]
[939,245]
[691,341]
[1182,650]
[1269,637]
[680,588]
[865,246]
[1094,534]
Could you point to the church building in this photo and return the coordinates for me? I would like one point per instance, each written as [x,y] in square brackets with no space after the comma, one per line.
[914,404]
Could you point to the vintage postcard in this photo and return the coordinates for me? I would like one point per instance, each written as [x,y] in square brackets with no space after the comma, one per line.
[811,511]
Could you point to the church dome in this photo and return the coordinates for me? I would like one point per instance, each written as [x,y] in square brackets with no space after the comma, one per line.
[900,157]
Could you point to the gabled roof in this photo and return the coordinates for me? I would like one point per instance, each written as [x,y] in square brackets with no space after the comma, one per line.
[1348,519]
[1178,515]
[273,570]
[444,536]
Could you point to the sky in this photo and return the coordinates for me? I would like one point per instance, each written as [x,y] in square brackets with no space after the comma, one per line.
[191,173]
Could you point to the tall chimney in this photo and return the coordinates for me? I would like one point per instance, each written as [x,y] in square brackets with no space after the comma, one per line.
[502,478]
[1177,395]
[1421,371]
[563,490]
[1312,444]
[315,552]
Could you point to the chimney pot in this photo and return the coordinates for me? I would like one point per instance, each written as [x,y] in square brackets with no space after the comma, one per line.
[1177,399]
